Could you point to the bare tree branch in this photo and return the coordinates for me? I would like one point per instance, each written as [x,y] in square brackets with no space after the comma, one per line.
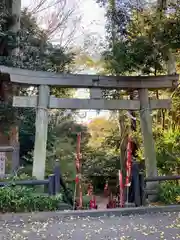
[59,18]
[42,5]
[38,6]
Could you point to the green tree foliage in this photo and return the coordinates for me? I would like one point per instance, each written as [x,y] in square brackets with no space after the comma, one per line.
[168,151]
[140,37]
[27,132]
[35,50]
[62,145]
[140,40]
[143,47]
[101,162]
[61,142]
[100,129]
[100,157]
[7,37]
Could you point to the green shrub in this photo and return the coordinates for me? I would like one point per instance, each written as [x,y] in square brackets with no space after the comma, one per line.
[23,199]
[86,200]
[20,177]
[169,193]
[168,147]
[11,179]
[67,196]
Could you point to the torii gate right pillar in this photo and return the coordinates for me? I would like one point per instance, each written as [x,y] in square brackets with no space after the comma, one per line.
[147,134]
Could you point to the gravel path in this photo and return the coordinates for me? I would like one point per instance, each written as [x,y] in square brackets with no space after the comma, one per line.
[149,226]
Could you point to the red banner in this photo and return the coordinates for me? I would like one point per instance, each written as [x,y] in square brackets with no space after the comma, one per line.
[77,179]
[128,173]
[128,162]
[92,203]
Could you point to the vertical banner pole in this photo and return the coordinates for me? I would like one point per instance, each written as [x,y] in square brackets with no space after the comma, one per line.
[78,172]
[121,189]
[128,166]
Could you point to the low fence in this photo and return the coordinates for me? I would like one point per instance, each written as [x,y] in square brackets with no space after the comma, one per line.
[53,181]
[146,192]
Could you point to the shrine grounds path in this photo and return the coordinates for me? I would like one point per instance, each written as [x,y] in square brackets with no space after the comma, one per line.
[150,226]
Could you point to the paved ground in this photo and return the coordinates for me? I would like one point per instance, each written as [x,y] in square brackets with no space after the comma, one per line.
[149,226]
[101,202]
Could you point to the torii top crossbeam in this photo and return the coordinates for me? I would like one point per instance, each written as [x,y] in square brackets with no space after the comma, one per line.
[28,77]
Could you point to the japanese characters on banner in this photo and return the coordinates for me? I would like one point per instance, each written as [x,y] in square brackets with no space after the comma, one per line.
[2,163]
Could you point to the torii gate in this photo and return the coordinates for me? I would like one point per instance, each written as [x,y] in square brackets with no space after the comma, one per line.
[44,101]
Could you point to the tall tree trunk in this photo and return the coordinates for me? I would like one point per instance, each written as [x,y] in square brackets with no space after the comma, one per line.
[161,5]
[133,126]
[123,128]
[112,9]
[123,132]
[171,62]
[14,131]
[163,118]
[15,11]
[168,54]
